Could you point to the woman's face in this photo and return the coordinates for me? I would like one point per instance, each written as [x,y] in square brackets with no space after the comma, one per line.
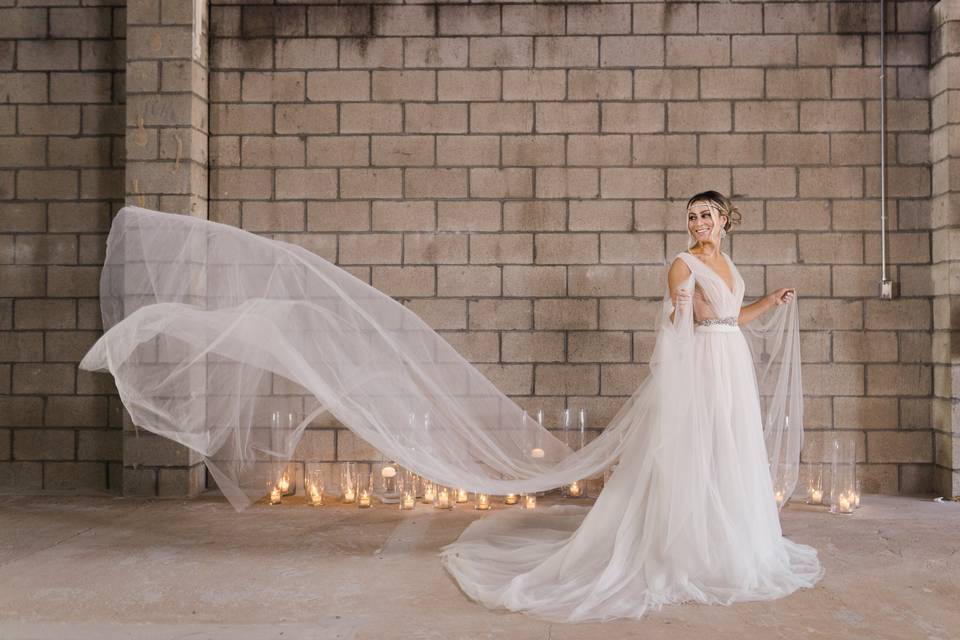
[701,222]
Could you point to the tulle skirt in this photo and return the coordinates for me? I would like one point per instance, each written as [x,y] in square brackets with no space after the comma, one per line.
[688,515]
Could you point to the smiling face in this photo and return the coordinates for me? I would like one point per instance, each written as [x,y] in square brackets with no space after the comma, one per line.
[704,222]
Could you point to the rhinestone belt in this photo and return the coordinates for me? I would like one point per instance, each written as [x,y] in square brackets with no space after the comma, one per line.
[729,321]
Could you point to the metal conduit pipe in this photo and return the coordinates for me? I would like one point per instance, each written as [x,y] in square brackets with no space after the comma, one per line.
[888,288]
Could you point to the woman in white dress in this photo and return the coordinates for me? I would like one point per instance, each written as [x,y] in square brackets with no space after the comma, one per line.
[210,330]
[690,512]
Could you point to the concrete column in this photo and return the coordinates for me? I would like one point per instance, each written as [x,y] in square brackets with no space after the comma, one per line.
[945,228]
[166,169]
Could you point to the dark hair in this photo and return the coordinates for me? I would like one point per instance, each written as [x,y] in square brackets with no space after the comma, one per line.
[722,203]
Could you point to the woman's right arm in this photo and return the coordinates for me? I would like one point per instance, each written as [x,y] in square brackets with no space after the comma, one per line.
[678,274]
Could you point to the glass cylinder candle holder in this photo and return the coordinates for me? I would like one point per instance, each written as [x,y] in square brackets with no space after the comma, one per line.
[483,502]
[429,492]
[815,484]
[348,482]
[529,501]
[462,496]
[843,475]
[445,498]
[274,492]
[408,490]
[856,496]
[364,489]
[314,487]
[389,481]
[511,498]
[576,489]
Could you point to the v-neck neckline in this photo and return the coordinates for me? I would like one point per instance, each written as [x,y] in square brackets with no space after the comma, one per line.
[732,290]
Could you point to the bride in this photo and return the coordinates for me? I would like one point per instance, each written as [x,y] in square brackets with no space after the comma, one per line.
[690,512]
[209,330]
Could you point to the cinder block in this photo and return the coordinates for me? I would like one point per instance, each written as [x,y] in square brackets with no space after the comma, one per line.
[629,51]
[501,118]
[668,149]
[600,280]
[501,183]
[731,18]
[43,444]
[435,118]
[401,151]
[565,313]
[471,150]
[796,18]
[599,346]
[699,116]
[698,51]
[21,476]
[404,20]
[305,53]
[534,282]
[501,248]
[794,149]
[598,19]
[600,84]
[631,248]
[474,20]
[272,151]
[273,216]
[391,86]
[567,379]
[731,83]
[338,21]
[503,315]
[530,19]
[435,53]
[435,183]
[469,216]
[601,215]
[404,215]
[766,115]
[535,215]
[299,184]
[764,51]
[404,281]
[375,248]
[497,52]
[319,118]
[832,115]
[48,55]
[456,281]
[618,182]
[21,346]
[534,84]
[632,117]
[900,446]
[533,346]
[441,313]
[338,151]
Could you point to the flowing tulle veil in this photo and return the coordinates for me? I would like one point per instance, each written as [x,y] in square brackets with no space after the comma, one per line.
[206,325]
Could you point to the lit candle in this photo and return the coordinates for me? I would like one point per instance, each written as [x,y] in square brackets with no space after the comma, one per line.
[844,504]
[779,497]
[408,501]
[429,494]
[349,495]
[816,496]
[530,501]
[574,489]
[510,498]
[483,502]
[461,496]
[537,452]
[275,494]
[364,500]
[316,496]
[443,499]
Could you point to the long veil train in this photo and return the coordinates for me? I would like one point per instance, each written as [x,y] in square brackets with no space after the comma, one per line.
[205,325]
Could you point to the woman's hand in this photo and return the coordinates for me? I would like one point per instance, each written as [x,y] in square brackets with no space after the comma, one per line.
[781,296]
[681,298]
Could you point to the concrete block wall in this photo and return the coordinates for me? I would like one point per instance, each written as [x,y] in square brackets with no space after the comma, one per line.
[515,173]
[62,94]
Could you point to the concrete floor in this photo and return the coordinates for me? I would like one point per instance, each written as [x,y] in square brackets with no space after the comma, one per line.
[107,568]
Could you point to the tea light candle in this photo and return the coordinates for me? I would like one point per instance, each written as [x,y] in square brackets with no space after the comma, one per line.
[284,484]
[429,494]
[510,498]
[574,490]
[316,496]
[349,495]
[364,501]
[461,496]
[816,496]
[275,494]
[407,501]
[779,497]
[537,452]
[530,501]
[844,504]
[483,502]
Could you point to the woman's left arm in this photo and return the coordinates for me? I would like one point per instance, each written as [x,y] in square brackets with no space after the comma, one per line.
[751,311]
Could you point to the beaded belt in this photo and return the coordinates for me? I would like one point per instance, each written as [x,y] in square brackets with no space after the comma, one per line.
[718,324]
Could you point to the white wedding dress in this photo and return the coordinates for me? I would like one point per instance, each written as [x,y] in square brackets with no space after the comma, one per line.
[209,330]
[688,515]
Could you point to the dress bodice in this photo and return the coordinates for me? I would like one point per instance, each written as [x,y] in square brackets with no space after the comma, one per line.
[712,298]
